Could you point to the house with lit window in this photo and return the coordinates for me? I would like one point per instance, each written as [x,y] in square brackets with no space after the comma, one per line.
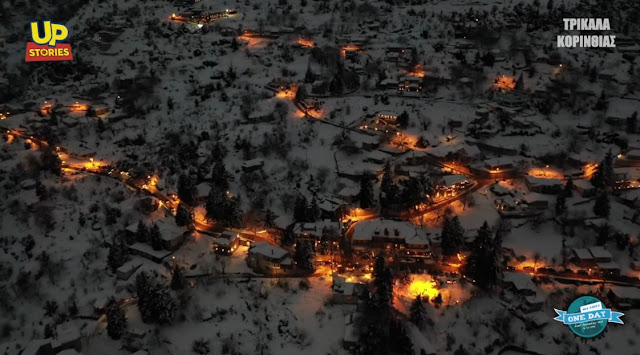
[226,243]
[269,259]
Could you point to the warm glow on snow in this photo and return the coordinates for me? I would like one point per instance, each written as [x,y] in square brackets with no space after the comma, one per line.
[505,83]
[426,289]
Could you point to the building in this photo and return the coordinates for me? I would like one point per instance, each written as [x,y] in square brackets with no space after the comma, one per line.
[351,337]
[345,292]
[146,251]
[252,165]
[410,84]
[543,186]
[624,297]
[584,187]
[332,208]
[520,283]
[601,255]
[269,259]
[226,243]
[129,268]
[317,230]
[412,243]
[583,257]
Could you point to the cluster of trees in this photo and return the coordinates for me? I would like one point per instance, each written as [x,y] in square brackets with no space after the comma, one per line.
[155,303]
[148,235]
[408,194]
[381,331]
[118,254]
[484,264]
[304,211]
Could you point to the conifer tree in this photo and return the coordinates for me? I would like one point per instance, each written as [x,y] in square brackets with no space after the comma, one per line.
[117,254]
[178,281]
[304,256]
[388,189]
[184,217]
[142,233]
[482,265]
[289,237]
[601,208]
[300,209]
[604,175]
[116,320]
[452,239]
[365,196]
[417,313]
[155,238]
[186,189]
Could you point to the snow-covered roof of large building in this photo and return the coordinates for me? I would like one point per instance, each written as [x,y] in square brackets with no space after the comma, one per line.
[268,250]
[520,281]
[367,230]
[537,181]
[450,180]
[600,253]
[621,108]
[583,254]
[632,293]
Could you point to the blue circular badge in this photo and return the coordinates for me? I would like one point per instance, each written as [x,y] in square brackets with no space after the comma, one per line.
[591,328]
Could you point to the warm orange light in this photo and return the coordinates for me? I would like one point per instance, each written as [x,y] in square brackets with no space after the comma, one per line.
[426,289]
[305,42]
[505,83]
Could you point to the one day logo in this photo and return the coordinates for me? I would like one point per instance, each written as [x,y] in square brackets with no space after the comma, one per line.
[587,317]
[45,46]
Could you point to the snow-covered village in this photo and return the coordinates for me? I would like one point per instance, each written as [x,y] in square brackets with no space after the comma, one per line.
[322,177]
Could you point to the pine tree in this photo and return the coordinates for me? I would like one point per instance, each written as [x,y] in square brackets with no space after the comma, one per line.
[632,123]
[309,76]
[378,267]
[384,288]
[452,239]
[142,233]
[186,189]
[399,342]
[561,204]
[303,256]
[417,313]
[178,281]
[567,191]
[403,120]
[365,196]
[116,320]
[601,208]
[220,176]
[602,103]
[482,263]
[604,175]
[117,254]
[289,237]
[155,238]
[50,161]
[388,189]
[184,216]
[313,211]
[603,235]
[519,83]
[300,209]
[269,219]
